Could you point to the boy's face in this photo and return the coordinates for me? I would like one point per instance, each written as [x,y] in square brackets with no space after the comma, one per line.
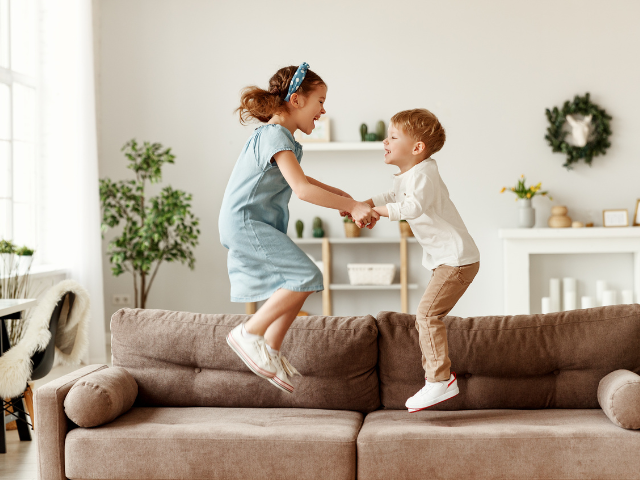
[400,149]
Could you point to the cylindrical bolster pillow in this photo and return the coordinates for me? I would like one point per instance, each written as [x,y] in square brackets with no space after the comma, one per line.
[101,397]
[619,397]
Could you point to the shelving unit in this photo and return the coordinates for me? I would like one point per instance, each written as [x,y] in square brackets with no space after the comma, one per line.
[327,309]
[341,146]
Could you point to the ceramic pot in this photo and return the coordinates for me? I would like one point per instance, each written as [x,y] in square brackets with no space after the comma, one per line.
[405,229]
[8,262]
[351,230]
[526,214]
[24,262]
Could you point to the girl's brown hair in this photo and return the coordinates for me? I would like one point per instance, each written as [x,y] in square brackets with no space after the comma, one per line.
[264,104]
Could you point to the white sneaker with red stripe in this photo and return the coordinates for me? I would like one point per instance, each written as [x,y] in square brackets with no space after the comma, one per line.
[253,352]
[433,393]
[284,370]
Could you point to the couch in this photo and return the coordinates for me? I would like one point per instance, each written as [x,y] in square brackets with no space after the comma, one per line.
[528,405]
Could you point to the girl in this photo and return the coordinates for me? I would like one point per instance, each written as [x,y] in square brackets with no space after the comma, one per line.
[263,262]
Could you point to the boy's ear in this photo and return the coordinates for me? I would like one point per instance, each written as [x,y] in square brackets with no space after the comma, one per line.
[418,148]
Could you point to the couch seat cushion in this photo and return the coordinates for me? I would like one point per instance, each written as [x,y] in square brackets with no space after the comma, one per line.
[217,443]
[489,444]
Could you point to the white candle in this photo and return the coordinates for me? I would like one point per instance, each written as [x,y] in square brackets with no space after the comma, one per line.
[570,301]
[608,298]
[587,302]
[627,297]
[601,286]
[568,284]
[546,305]
[554,294]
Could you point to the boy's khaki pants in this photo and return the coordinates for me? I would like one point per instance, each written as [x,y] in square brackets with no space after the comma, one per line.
[445,288]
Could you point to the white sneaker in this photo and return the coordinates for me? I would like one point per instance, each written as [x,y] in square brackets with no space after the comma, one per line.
[284,370]
[433,393]
[253,352]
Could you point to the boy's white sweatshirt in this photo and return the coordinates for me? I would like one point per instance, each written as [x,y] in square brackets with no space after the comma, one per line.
[420,197]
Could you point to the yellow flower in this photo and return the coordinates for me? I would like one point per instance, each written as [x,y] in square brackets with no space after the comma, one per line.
[528,195]
[503,189]
[513,189]
[521,176]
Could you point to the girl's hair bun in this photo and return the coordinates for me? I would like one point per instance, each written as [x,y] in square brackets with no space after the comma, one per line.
[259,104]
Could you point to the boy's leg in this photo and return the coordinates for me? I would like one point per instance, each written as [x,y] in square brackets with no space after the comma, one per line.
[445,288]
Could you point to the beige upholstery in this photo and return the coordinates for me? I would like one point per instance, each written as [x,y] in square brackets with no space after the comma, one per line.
[525,361]
[52,424]
[337,357]
[490,444]
[100,397]
[217,443]
[619,397]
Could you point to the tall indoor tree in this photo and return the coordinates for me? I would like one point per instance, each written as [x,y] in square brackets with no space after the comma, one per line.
[157,229]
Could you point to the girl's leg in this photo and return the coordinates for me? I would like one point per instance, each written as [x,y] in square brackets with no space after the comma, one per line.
[276,316]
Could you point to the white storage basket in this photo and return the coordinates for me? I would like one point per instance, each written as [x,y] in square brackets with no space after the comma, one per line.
[371,273]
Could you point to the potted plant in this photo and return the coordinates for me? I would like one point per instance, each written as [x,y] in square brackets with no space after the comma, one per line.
[7,253]
[156,229]
[351,230]
[527,215]
[405,229]
[15,263]
[25,257]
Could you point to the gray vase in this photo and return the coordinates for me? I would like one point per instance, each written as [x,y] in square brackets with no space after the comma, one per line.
[526,214]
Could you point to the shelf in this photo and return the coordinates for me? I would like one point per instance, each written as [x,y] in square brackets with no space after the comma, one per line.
[344,240]
[562,233]
[393,286]
[342,146]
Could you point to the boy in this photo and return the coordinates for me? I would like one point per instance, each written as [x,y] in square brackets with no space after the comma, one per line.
[420,197]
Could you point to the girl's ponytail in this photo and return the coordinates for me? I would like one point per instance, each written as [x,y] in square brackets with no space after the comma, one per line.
[264,104]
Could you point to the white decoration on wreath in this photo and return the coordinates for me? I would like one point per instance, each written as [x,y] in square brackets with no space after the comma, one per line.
[580,129]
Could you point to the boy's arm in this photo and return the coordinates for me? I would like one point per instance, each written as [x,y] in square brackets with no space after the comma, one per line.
[412,204]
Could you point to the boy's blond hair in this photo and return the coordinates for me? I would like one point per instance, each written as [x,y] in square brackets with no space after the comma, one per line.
[423,126]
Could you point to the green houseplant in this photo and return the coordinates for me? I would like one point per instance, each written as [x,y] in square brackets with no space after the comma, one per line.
[157,229]
[15,267]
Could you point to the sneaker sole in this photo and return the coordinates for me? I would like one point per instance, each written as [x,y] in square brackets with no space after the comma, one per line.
[285,387]
[247,361]
[440,399]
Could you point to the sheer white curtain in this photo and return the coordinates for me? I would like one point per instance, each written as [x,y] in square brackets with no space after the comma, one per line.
[70,221]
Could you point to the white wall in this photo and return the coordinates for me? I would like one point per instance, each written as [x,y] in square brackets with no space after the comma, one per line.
[171,71]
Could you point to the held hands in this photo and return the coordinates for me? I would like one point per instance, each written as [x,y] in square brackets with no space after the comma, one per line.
[363,215]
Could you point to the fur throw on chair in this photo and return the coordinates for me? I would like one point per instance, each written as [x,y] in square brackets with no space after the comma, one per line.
[71,342]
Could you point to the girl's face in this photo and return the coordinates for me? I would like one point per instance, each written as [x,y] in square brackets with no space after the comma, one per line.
[309,109]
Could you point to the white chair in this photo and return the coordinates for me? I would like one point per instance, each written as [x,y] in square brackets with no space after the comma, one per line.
[56,332]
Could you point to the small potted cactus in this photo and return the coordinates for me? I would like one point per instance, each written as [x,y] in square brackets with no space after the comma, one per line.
[299,228]
[318,232]
[405,229]
[351,230]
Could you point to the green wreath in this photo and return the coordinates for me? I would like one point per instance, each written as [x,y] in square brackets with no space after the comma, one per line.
[598,138]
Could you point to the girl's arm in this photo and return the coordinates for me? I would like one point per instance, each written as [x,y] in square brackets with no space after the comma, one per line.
[328,188]
[361,213]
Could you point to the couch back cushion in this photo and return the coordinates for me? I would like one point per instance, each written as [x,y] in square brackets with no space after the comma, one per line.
[521,362]
[182,359]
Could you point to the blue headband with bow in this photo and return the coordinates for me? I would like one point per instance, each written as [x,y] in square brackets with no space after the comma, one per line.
[297,79]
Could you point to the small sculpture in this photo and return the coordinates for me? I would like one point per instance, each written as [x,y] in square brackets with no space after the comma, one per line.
[363,131]
[579,129]
[559,217]
[318,232]
[299,228]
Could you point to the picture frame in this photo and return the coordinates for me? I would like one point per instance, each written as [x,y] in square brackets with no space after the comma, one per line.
[636,218]
[322,132]
[615,218]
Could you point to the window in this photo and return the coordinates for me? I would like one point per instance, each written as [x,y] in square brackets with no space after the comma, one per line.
[18,121]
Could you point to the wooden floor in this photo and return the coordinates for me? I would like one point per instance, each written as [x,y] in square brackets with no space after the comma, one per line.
[19,463]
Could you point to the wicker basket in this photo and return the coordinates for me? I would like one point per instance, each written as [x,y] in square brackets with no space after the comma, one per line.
[371,273]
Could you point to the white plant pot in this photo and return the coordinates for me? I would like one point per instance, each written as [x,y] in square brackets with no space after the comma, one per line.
[7,263]
[24,262]
[527,215]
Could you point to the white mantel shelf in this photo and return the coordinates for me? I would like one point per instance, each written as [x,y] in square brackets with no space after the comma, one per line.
[520,244]
[562,233]
[341,146]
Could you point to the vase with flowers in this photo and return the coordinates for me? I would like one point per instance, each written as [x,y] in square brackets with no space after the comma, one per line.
[527,214]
